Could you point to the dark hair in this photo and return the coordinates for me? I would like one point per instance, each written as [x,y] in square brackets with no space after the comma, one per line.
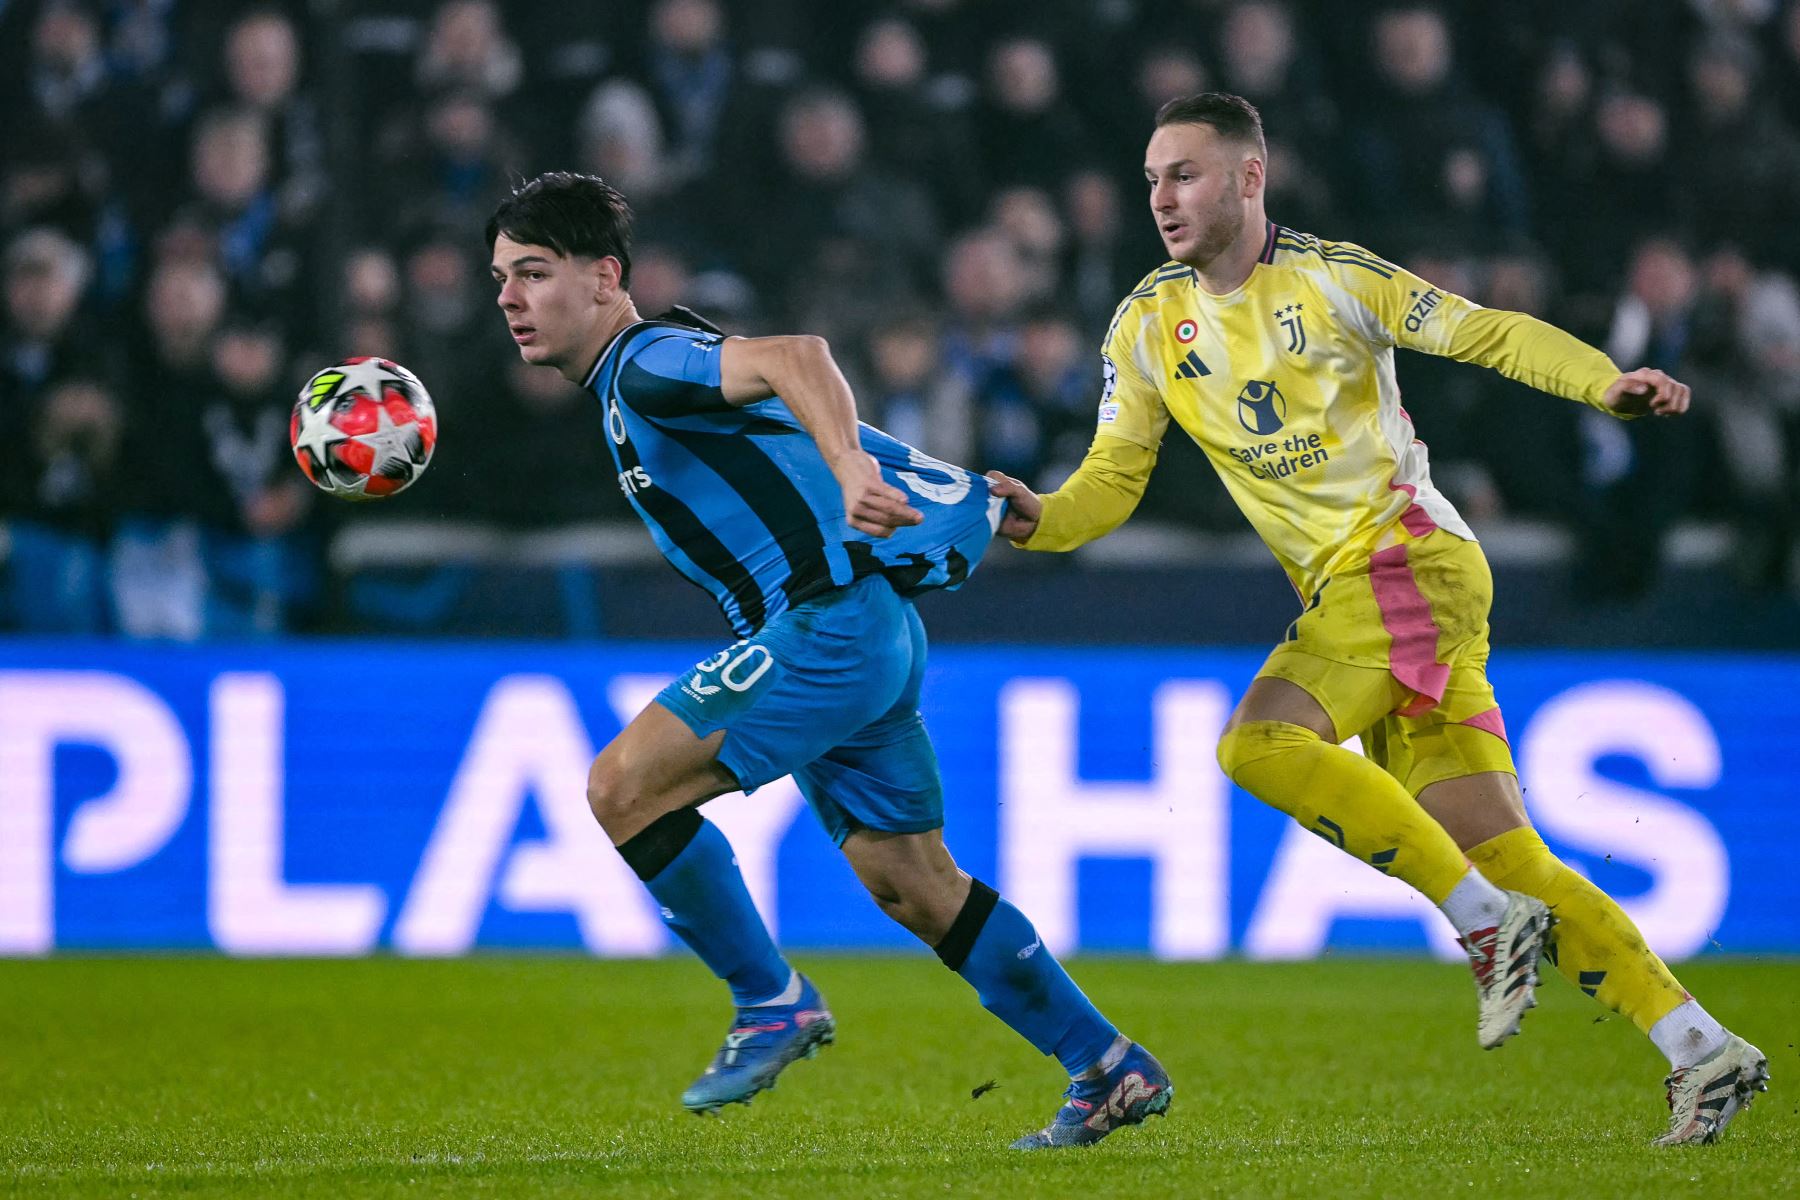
[1231,116]
[572,214]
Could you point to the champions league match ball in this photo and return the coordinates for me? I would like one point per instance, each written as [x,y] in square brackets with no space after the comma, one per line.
[364,429]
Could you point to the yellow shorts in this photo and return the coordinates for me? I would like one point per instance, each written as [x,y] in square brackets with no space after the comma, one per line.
[1396,650]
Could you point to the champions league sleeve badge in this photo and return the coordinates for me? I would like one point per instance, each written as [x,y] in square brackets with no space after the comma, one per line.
[1109,383]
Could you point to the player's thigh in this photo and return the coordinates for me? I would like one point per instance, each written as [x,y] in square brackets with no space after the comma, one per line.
[890,787]
[1475,808]
[1302,687]
[1456,759]
[1379,638]
[884,776]
[807,682]
[656,765]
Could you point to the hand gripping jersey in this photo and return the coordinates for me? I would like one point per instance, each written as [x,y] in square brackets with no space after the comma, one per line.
[1288,385]
[741,502]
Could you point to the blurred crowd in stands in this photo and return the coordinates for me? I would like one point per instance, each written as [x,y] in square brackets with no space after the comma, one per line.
[204,201]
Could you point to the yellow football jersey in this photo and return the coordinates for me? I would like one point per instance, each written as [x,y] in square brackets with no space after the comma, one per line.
[1288,385]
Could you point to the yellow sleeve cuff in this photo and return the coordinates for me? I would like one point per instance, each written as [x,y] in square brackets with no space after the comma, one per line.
[1097,498]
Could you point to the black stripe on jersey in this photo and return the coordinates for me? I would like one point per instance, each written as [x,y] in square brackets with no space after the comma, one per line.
[1147,284]
[904,574]
[659,396]
[1146,287]
[695,540]
[957,563]
[1287,239]
[766,490]
[701,547]
[1348,259]
[1363,257]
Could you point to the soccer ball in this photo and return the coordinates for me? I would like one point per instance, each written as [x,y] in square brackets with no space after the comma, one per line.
[363,429]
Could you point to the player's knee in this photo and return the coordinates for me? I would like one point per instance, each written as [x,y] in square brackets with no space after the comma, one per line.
[1233,751]
[906,900]
[610,792]
[1250,742]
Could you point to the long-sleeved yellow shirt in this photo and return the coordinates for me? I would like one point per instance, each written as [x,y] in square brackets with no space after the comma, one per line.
[1288,385]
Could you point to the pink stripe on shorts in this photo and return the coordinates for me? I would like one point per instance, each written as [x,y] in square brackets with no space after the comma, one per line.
[1406,615]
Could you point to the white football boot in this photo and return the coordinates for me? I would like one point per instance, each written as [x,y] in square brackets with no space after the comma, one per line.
[1504,958]
[1704,1097]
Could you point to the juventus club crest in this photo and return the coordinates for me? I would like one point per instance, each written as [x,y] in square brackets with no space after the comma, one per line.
[1293,319]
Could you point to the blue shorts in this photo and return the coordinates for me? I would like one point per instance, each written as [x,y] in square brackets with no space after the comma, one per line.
[827,692]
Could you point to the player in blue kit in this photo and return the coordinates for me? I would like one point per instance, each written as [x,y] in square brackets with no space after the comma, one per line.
[745,459]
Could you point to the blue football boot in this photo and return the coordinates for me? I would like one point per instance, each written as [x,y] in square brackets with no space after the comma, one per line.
[1136,1088]
[761,1042]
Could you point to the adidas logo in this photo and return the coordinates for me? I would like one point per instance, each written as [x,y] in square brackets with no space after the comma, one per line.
[1191,367]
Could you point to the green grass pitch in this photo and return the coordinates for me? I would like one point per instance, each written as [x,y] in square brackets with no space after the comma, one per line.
[559,1076]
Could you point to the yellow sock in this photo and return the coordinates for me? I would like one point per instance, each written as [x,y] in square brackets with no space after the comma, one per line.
[1594,944]
[1346,799]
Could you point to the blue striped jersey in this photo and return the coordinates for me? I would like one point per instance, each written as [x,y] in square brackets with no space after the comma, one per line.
[741,502]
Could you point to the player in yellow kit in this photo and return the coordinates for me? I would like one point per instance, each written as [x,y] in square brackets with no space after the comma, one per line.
[1273,350]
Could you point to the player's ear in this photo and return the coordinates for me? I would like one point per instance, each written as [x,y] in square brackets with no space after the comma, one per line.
[1253,176]
[608,272]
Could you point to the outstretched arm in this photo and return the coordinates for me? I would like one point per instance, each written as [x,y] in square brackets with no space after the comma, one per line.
[1405,310]
[1542,356]
[1095,501]
[802,372]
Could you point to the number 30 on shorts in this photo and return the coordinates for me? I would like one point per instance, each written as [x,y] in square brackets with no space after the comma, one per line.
[737,669]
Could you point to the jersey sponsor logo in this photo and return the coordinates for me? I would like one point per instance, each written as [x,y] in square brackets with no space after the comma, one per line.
[1261,407]
[1293,319]
[1186,332]
[1277,459]
[1423,307]
[633,481]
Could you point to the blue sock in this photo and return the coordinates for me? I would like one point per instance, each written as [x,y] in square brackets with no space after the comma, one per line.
[994,946]
[688,866]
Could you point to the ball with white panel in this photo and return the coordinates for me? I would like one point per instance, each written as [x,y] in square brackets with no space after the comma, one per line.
[363,429]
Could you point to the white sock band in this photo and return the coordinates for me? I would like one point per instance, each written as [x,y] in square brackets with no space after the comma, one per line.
[1687,1035]
[788,995]
[1473,904]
